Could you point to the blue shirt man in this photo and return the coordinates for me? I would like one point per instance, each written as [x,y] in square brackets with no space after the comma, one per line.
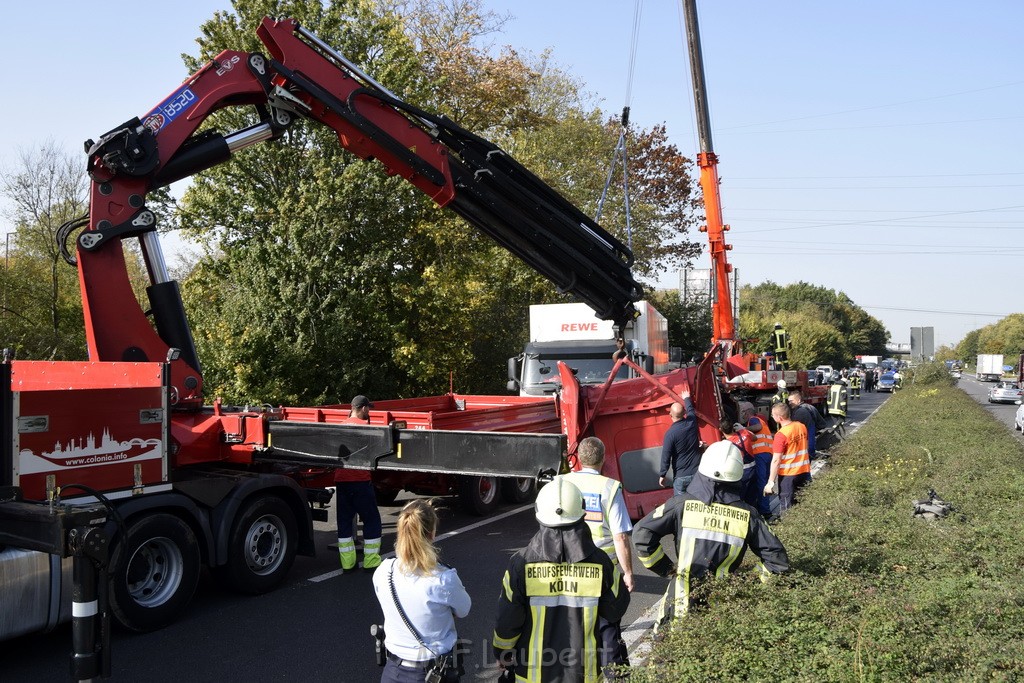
[681,448]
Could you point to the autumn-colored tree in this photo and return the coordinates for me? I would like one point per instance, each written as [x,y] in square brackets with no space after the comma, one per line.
[324,277]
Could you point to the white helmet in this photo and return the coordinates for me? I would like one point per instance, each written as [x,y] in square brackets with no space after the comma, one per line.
[781,384]
[722,461]
[559,503]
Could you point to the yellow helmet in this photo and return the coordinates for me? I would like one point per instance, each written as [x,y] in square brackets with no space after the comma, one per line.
[559,503]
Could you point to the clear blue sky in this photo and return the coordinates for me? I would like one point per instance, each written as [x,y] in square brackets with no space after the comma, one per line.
[870,147]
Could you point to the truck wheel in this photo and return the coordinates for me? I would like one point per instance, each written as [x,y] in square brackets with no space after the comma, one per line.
[479,494]
[154,572]
[518,490]
[261,548]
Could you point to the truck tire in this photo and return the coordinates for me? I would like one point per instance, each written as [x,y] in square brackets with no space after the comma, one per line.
[479,495]
[261,548]
[154,572]
[518,490]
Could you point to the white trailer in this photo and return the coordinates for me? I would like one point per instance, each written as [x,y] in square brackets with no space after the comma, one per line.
[989,367]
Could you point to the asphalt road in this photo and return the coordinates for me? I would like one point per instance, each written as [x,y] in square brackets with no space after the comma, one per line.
[316,626]
[1004,412]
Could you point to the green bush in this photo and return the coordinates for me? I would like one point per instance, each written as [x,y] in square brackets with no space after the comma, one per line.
[927,374]
[876,594]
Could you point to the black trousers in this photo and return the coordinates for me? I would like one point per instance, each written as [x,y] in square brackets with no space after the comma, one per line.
[613,647]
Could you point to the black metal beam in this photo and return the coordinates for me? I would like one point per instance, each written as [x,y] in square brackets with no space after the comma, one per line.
[505,454]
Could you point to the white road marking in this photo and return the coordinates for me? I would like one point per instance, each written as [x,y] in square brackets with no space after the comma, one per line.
[442,537]
[640,627]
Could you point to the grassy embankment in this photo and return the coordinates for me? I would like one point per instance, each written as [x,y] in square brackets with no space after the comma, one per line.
[875,594]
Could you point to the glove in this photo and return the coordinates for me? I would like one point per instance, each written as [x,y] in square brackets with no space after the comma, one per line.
[770,489]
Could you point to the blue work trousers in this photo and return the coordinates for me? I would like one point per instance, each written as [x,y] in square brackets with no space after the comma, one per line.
[762,470]
[357,498]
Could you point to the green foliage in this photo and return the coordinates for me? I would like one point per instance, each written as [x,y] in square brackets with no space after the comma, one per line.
[325,277]
[1005,336]
[689,325]
[826,326]
[967,349]
[41,303]
[876,594]
[929,374]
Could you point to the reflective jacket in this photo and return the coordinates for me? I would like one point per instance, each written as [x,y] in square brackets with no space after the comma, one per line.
[763,438]
[837,396]
[713,528]
[781,341]
[855,381]
[552,594]
[598,494]
[744,440]
[795,459]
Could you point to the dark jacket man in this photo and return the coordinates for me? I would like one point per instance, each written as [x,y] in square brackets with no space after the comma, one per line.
[681,448]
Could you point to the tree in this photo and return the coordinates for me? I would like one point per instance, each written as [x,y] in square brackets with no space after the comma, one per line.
[689,324]
[42,309]
[826,326]
[325,277]
[967,349]
[1005,336]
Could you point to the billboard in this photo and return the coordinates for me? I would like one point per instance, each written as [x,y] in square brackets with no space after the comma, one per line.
[922,343]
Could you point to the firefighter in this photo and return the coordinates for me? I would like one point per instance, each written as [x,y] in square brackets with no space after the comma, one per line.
[855,384]
[552,594]
[782,345]
[713,528]
[782,395]
[837,397]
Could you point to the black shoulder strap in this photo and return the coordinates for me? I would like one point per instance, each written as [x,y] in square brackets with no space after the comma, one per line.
[401,612]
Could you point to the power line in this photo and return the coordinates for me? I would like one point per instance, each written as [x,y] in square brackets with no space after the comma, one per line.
[850,302]
[878,187]
[879,220]
[877,106]
[915,124]
[876,177]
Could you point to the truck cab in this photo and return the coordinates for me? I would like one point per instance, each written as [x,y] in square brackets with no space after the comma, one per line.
[573,334]
[535,372]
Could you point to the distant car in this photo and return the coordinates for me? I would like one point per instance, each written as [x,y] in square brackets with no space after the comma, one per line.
[1018,420]
[886,382]
[1005,392]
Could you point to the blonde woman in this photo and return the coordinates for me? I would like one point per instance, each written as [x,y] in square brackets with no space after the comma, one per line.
[429,593]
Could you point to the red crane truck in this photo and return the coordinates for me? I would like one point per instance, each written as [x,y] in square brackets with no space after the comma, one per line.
[118,481]
[744,377]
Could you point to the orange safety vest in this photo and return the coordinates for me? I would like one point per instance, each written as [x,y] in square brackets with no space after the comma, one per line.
[762,436]
[795,460]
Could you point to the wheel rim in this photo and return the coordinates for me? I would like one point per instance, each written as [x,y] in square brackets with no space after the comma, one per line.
[524,485]
[265,543]
[155,571]
[488,489]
